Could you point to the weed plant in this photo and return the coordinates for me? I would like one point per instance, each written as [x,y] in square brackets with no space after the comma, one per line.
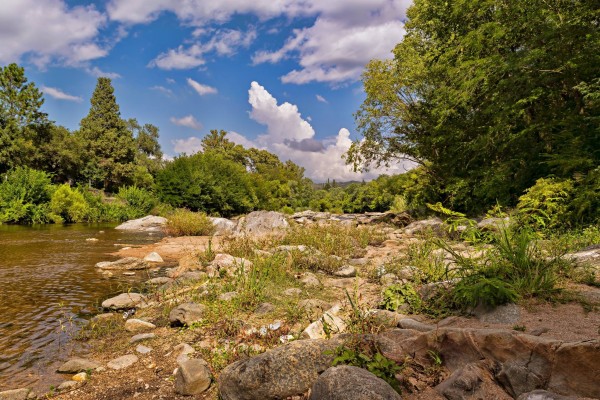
[184,222]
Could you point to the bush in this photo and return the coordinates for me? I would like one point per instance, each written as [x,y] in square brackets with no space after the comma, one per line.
[22,196]
[184,222]
[68,205]
[140,201]
[545,205]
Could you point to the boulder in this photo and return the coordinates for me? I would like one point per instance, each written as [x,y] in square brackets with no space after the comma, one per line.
[504,314]
[432,225]
[473,381]
[192,377]
[186,314]
[230,263]
[223,226]
[76,364]
[124,264]
[261,223]
[149,223]
[493,224]
[125,300]
[397,219]
[346,382]
[15,394]
[544,395]
[287,370]
[310,280]
[122,362]
[347,271]
[138,325]
[161,280]
[409,323]
[153,257]
[520,363]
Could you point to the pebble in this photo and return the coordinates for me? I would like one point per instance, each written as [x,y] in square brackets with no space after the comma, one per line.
[122,362]
[143,349]
[141,337]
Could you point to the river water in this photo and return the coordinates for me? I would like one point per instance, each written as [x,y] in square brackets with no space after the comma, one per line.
[48,288]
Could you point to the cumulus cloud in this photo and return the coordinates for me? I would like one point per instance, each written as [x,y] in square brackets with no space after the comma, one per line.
[292,137]
[189,145]
[59,94]
[47,31]
[188,121]
[200,88]
[283,121]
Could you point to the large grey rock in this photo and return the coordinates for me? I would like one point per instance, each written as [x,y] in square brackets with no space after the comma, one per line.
[230,263]
[284,371]
[473,381]
[138,325]
[223,226]
[149,223]
[520,363]
[76,364]
[347,271]
[544,395]
[261,223]
[192,377]
[122,362]
[124,264]
[504,314]
[125,300]
[409,323]
[493,224]
[346,382]
[432,225]
[15,394]
[186,314]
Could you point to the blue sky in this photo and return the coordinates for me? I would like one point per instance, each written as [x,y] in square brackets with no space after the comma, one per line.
[283,75]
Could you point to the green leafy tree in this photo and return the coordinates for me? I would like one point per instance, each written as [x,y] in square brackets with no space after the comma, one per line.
[24,194]
[21,121]
[206,182]
[110,146]
[488,96]
[148,157]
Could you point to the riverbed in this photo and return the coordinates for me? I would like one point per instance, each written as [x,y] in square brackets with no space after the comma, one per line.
[48,288]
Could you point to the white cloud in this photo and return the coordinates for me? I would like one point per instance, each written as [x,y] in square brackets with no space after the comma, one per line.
[189,145]
[345,35]
[166,91]
[97,72]
[188,121]
[201,89]
[180,58]
[59,94]
[49,31]
[224,42]
[291,137]
[282,121]
[321,99]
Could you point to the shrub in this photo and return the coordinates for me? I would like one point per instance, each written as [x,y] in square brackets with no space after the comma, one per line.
[68,205]
[545,205]
[21,194]
[184,222]
[397,295]
[140,201]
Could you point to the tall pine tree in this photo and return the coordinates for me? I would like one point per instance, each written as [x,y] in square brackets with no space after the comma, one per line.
[109,143]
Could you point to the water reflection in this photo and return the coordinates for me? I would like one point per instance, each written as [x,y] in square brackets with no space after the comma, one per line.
[48,285]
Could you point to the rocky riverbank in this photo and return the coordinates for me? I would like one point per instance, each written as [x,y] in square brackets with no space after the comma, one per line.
[289,307]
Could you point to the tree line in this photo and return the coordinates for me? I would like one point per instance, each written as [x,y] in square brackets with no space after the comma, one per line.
[111,169]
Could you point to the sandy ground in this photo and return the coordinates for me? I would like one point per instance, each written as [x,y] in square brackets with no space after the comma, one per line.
[152,376]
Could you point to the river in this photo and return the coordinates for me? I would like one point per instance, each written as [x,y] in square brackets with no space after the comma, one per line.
[48,288]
